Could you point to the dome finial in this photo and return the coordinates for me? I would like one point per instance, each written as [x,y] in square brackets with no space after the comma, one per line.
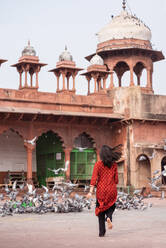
[124,4]
[65,47]
[29,43]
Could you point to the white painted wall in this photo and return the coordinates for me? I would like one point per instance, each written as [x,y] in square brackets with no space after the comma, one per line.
[13,155]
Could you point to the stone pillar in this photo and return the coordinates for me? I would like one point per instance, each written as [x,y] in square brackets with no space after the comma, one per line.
[37,72]
[67,158]
[63,76]
[31,78]
[74,76]
[88,79]
[111,79]
[20,85]
[20,71]
[57,74]
[138,79]
[151,78]
[68,77]
[99,84]
[95,77]
[26,84]
[29,148]
[104,81]
[131,77]
[120,82]
[148,85]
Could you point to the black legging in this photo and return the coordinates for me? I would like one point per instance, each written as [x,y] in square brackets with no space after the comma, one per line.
[102,217]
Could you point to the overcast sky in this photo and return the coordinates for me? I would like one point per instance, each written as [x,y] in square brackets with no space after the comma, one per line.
[52,24]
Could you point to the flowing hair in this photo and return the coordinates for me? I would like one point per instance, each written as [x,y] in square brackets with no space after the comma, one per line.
[109,155]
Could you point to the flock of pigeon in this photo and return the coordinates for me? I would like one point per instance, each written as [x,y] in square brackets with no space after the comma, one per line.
[58,201]
[135,201]
[61,199]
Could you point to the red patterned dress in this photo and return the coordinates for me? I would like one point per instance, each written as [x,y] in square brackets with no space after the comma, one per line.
[105,179]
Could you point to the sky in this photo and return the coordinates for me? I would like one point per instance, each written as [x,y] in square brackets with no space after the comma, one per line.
[52,24]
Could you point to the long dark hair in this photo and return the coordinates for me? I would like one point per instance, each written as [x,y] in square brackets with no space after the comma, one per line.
[109,155]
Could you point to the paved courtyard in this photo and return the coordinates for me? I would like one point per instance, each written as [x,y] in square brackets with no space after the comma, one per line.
[132,228]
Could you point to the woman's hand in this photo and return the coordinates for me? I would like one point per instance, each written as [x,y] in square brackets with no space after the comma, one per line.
[89,195]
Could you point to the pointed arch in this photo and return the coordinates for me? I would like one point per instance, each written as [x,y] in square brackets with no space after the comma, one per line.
[143,170]
[15,130]
[120,68]
[139,68]
[83,140]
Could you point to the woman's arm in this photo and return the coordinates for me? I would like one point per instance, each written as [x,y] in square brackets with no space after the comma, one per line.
[89,195]
[93,180]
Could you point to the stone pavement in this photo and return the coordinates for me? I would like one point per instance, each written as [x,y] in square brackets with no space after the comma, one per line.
[132,228]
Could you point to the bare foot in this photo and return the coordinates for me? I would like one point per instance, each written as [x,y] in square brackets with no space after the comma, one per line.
[109,223]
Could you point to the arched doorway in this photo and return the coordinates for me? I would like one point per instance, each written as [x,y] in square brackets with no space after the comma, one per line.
[82,158]
[163,168]
[49,155]
[13,160]
[144,171]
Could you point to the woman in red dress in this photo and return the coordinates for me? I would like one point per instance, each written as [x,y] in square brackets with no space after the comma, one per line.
[105,178]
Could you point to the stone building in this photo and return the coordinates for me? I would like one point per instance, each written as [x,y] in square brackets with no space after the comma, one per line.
[70,127]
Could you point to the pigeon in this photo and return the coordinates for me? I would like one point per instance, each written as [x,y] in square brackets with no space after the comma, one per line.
[7,189]
[14,185]
[30,189]
[156,172]
[86,187]
[21,186]
[66,166]
[32,141]
[81,149]
[46,194]
[154,187]
[70,184]
[136,192]
[1,197]
[56,171]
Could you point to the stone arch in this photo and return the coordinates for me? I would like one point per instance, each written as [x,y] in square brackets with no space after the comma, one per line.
[44,130]
[163,168]
[13,153]
[143,170]
[50,155]
[138,69]
[83,140]
[49,131]
[120,68]
[16,130]
[82,157]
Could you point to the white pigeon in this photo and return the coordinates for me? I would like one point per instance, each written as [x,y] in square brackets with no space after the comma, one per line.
[81,149]
[14,185]
[32,141]
[56,171]
[86,187]
[7,189]
[156,172]
[46,189]
[30,189]
[70,184]
[66,166]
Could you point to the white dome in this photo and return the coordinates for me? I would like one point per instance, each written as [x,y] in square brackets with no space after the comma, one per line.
[65,56]
[124,26]
[97,60]
[29,50]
